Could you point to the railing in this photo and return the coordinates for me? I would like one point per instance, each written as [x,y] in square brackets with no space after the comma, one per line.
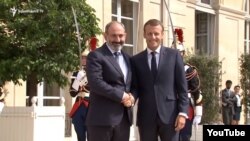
[34,123]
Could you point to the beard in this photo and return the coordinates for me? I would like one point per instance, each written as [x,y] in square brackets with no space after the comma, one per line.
[116,45]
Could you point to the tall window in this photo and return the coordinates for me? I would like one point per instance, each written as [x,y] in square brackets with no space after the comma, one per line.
[125,11]
[247,6]
[247,28]
[204,33]
[205,1]
[247,37]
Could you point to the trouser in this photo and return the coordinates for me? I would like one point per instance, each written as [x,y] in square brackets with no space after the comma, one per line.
[157,129]
[186,132]
[118,132]
[78,121]
[227,115]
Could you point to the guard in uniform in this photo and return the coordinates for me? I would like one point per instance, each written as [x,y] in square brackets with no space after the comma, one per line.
[2,96]
[194,94]
[79,89]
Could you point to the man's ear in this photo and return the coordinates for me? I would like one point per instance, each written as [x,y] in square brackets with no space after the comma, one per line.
[104,35]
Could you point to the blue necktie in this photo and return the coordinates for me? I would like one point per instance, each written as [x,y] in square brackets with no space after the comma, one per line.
[153,65]
[117,57]
[120,60]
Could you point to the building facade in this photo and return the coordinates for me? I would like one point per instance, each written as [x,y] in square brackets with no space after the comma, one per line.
[211,27]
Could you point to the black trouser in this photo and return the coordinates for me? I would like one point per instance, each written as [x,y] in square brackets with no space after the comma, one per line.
[118,132]
[227,115]
[186,132]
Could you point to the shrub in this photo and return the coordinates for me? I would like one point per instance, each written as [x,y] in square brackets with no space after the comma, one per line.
[209,73]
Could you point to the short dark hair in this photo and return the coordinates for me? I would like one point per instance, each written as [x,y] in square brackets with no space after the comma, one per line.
[237,86]
[111,23]
[229,82]
[153,22]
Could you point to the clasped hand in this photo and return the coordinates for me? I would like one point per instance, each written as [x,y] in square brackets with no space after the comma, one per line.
[128,100]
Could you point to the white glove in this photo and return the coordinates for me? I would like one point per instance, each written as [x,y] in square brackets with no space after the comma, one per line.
[81,80]
[197,120]
[80,75]
[198,114]
[198,110]
[1,106]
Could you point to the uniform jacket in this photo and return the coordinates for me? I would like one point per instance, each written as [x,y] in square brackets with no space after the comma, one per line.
[79,99]
[193,82]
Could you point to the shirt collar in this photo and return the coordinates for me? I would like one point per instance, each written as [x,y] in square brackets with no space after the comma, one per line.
[157,50]
[111,50]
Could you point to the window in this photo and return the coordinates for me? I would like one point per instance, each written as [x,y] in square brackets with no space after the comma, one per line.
[125,11]
[205,1]
[247,28]
[204,33]
[247,6]
[246,37]
[49,95]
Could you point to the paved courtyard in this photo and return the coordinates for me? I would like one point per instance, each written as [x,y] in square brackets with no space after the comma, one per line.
[197,133]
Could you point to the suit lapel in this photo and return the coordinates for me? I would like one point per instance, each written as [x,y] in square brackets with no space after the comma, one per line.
[145,60]
[145,63]
[161,60]
[126,58]
[111,58]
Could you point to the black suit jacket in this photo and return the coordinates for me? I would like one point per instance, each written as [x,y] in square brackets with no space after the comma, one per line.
[167,96]
[106,81]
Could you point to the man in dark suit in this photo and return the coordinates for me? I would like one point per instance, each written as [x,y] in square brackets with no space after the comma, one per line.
[160,85]
[109,75]
[228,99]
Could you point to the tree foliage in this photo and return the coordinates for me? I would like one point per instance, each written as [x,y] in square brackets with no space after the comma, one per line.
[209,73]
[38,38]
[245,82]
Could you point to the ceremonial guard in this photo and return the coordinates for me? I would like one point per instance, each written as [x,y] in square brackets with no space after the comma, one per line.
[194,92]
[79,88]
[3,93]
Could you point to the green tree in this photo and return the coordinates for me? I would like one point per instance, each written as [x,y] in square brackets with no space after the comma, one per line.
[245,84]
[38,39]
[209,73]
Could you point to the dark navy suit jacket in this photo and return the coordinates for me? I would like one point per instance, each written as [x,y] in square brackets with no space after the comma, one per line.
[106,81]
[167,95]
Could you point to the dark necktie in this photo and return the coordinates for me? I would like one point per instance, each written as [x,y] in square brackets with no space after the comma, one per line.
[153,65]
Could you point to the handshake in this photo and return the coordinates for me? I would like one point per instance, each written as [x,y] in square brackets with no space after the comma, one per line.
[128,100]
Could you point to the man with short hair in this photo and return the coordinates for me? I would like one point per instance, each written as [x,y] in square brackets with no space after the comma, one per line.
[160,85]
[228,99]
[109,75]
